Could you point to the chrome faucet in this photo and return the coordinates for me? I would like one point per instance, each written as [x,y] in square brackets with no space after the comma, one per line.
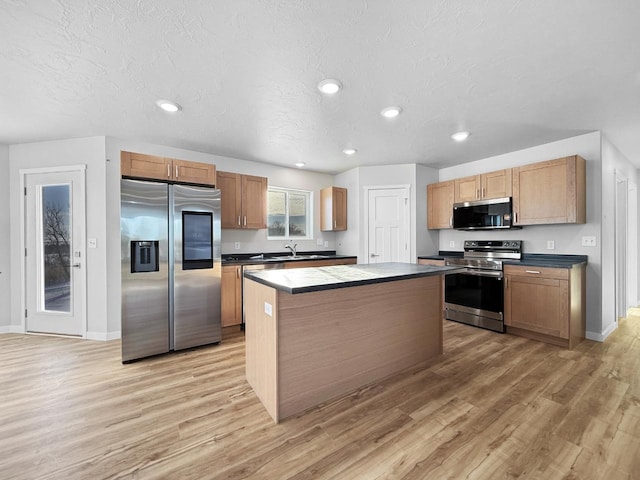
[292,248]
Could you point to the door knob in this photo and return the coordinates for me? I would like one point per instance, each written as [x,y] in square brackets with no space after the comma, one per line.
[76,265]
[374,255]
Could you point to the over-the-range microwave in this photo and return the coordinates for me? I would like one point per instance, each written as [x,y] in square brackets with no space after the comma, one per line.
[496,213]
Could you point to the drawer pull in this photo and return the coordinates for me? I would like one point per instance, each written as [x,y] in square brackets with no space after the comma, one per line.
[532,271]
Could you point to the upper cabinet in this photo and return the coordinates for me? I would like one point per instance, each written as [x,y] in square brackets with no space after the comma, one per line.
[244,200]
[440,204]
[545,192]
[550,192]
[333,209]
[139,165]
[486,186]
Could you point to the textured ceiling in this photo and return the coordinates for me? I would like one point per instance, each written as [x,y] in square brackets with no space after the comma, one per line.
[514,73]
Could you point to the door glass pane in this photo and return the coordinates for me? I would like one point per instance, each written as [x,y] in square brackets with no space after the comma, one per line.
[276,213]
[297,215]
[56,248]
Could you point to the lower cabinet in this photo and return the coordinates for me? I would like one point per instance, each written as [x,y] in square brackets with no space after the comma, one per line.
[546,304]
[231,295]
[320,263]
[231,286]
[431,261]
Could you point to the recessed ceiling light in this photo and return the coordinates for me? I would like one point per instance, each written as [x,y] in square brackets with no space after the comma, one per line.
[300,164]
[329,86]
[460,136]
[391,112]
[349,151]
[168,106]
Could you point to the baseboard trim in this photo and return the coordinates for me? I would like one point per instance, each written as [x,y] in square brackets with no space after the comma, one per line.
[11,329]
[601,337]
[102,336]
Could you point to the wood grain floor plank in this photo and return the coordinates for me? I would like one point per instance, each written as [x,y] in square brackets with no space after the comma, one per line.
[492,406]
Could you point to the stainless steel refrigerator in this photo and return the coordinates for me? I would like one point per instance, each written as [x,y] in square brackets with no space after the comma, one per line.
[170,251]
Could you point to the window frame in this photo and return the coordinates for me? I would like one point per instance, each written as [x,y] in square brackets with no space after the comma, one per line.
[309,213]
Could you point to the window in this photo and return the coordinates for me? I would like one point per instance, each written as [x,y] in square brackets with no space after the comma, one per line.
[289,214]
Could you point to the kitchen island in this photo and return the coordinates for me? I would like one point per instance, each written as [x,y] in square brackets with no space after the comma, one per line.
[314,334]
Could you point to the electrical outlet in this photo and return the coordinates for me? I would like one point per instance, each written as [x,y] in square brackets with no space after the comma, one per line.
[319,242]
[551,245]
[588,241]
[452,243]
[236,245]
[268,309]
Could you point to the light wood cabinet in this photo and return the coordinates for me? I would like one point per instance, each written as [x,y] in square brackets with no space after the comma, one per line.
[333,209]
[430,261]
[320,263]
[231,286]
[440,204]
[545,304]
[496,184]
[550,192]
[244,200]
[231,295]
[139,165]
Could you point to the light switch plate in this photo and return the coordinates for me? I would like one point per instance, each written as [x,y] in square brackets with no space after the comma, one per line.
[326,244]
[92,243]
[452,243]
[268,309]
[319,242]
[551,245]
[588,241]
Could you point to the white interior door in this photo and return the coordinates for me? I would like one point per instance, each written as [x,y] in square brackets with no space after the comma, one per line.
[621,246]
[389,225]
[54,248]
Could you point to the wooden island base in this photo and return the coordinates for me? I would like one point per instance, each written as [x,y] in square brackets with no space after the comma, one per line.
[319,345]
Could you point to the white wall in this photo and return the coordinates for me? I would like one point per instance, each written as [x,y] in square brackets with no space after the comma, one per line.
[567,238]
[612,161]
[347,242]
[427,241]
[251,241]
[84,151]
[5,251]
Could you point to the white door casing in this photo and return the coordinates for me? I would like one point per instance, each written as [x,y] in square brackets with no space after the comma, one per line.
[54,216]
[388,213]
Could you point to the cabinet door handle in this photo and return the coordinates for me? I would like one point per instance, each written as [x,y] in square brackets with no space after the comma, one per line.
[168,171]
[451,221]
[477,193]
[515,217]
[237,272]
[532,271]
[483,192]
[238,220]
[335,224]
[176,171]
[245,220]
[506,282]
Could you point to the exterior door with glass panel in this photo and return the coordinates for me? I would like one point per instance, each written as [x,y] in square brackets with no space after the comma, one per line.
[54,250]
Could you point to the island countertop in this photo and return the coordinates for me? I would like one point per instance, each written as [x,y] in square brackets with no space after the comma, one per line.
[313,279]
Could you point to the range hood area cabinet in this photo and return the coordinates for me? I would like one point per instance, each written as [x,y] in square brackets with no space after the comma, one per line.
[553,191]
[333,209]
[483,187]
[151,167]
[550,192]
[244,200]
[440,204]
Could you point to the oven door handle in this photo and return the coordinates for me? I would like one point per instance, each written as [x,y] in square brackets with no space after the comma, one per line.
[485,273]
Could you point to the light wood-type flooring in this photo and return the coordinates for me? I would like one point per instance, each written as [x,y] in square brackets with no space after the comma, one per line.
[492,407]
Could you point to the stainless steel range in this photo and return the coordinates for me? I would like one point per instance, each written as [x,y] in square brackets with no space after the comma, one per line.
[476,296]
